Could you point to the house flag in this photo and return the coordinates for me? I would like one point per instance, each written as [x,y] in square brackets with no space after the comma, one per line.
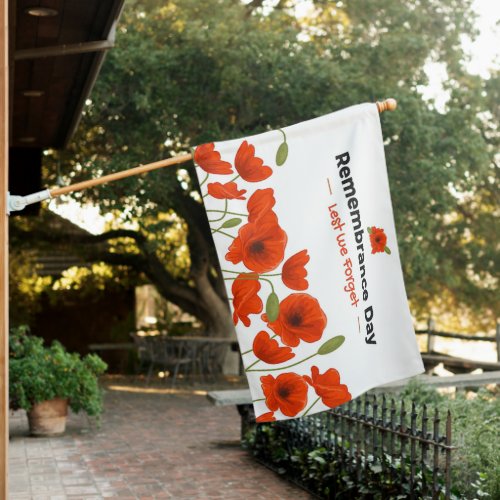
[303,226]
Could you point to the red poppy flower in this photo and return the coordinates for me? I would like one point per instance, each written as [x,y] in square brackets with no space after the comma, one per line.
[378,239]
[245,299]
[287,392]
[266,417]
[209,160]
[294,271]
[227,191]
[269,351]
[300,318]
[260,203]
[250,167]
[328,387]
[260,246]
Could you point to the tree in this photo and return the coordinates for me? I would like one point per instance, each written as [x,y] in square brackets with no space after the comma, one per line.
[188,72]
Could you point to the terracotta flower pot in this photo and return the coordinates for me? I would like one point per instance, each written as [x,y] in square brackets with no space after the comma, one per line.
[48,417]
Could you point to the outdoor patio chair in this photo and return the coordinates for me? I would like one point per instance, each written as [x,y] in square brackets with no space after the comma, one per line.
[174,357]
[212,359]
[157,351]
[143,350]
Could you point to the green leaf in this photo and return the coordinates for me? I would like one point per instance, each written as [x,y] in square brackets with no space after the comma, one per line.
[231,223]
[331,345]
[369,229]
[387,250]
[282,154]
[272,307]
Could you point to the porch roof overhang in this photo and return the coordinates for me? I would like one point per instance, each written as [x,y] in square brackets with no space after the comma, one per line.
[57,48]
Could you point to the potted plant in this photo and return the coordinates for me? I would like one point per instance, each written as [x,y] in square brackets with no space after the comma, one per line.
[45,380]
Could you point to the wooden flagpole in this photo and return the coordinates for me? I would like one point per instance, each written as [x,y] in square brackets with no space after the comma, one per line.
[121,175]
[387,105]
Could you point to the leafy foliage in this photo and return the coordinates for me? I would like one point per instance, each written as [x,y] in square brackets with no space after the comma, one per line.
[189,72]
[334,473]
[476,427]
[475,465]
[38,373]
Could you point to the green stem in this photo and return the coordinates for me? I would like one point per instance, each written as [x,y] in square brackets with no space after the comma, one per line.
[205,179]
[269,281]
[222,232]
[284,135]
[253,364]
[309,409]
[235,178]
[223,213]
[283,367]
[256,400]
[259,276]
[230,213]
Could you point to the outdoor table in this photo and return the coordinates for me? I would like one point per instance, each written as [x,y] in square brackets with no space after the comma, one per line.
[203,351]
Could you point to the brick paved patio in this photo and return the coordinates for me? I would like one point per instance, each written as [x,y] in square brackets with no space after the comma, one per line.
[150,445]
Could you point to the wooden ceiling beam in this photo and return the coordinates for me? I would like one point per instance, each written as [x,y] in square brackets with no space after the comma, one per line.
[64,50]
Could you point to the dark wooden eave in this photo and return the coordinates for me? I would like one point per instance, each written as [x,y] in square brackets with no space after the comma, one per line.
[60,56]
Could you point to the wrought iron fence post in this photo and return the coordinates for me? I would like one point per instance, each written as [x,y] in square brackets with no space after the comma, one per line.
[356,438]
[402,439]
[392,436]
[448,456]
[383,432]
[413,445]
[424,448]
[366,429]
[435,469]
[374,431]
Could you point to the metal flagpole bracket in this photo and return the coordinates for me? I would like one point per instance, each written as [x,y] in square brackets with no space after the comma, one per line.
[16,203]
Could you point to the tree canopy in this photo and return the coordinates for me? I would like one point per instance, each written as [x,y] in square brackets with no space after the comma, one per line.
[186,72]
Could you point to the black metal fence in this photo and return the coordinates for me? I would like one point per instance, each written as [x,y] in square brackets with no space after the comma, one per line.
[368,448]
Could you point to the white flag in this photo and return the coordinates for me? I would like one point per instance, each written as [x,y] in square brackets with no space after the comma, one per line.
[303,226]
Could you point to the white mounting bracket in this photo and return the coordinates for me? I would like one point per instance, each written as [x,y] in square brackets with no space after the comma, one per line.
[16,203]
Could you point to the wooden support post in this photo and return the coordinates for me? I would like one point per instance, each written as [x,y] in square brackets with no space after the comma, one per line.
[498,341]
[431,326]
[4,247]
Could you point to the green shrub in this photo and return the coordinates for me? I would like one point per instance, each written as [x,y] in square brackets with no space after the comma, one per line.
[475,464]
[38,373]
[331,473]
[475,434]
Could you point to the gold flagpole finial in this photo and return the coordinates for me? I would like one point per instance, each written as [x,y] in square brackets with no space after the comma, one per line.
[387,105]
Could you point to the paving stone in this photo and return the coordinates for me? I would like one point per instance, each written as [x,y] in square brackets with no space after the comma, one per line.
[149,446]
